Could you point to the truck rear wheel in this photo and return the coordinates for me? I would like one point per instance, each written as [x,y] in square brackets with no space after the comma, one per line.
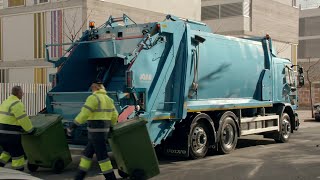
[199,142]
[228,135]
[285,130]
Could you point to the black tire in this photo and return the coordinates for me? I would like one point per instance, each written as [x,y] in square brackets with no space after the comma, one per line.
[199,140]
[122,174]
[285,131]
[58,166]
[32,167]
[228,134]
[317,118]
[138,174]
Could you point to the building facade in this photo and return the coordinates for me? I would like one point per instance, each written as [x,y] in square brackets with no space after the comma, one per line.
[309,34]
[247,18]
[27,25]
[308,52]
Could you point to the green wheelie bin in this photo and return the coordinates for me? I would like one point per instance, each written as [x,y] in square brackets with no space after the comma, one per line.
[133,151]
[48,147]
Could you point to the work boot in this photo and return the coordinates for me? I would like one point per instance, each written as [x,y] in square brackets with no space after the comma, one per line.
[20,169]
[80,175]
[110,176]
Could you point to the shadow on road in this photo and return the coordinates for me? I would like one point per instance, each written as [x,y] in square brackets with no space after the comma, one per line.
[311,120]
[242,143]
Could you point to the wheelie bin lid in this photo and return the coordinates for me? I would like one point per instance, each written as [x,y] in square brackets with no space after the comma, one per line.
[126,126]
[41,122]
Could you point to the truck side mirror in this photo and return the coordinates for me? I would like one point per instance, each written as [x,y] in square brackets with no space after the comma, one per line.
[300,80]
[300,76]
[300,70]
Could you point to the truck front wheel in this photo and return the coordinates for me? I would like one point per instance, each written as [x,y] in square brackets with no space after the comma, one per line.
[199,141]
[228,135]
[285,129]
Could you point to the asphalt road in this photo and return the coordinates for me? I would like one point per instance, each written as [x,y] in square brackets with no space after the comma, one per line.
[254,158]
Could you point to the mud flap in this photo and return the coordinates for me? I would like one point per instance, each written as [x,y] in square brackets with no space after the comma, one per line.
[176,146]
[297,121]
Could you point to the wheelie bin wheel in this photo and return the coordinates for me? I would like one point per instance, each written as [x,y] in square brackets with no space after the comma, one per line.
[32,167]
[58,166]
[138,174]
[123,174]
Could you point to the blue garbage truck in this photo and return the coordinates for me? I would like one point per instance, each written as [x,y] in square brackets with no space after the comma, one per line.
[198,91]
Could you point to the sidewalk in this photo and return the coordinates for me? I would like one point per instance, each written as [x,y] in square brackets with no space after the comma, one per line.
[306,119]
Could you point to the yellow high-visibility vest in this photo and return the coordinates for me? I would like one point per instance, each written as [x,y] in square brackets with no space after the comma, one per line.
[98,106]
[13,118]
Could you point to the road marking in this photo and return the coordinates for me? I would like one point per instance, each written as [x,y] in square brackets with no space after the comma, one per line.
[318,177]
[254,170]
[266,147]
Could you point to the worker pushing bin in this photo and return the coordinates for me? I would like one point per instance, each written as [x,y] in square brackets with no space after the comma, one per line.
[133,150]
[48,147]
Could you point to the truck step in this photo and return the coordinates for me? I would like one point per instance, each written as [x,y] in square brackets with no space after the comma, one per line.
[254,125]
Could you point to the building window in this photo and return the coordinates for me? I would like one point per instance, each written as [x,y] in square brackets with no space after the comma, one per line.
[56,33]
[39,35]
[1,4]
[225,10]
[13,3]
[40,1]
[294,3]
[4,75]
[210,12]
[40,75]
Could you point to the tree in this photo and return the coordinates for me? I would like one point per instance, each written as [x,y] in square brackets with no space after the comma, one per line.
[73,32]
[310,81]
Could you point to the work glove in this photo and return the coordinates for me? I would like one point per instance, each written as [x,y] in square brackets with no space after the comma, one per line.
[70,129]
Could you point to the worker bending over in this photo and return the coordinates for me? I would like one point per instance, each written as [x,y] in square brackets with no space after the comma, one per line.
[13,122]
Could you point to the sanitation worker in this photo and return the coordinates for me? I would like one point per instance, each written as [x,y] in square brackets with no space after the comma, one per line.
[13,121]
[100,114]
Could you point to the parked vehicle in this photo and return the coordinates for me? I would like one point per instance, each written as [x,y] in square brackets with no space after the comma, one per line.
[317,111]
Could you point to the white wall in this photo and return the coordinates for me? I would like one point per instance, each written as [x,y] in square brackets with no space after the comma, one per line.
[183,8]
[284,50]
[18,37]
[21,75]
[5,3]
[29,2]
[286,2]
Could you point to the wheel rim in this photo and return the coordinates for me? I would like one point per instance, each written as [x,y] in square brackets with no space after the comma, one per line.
[228,136]
[199,140]
[286,128]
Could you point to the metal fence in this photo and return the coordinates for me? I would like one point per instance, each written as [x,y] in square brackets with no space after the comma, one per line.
[34,97]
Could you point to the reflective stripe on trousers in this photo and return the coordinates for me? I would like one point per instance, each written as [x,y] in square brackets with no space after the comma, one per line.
[85,163]
[106,166]
[4,157]
[18,162]
[93,130]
